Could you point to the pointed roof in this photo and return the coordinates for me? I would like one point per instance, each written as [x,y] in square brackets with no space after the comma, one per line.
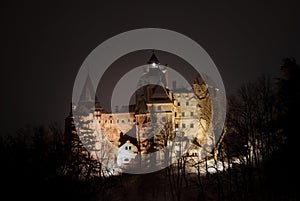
[86,101]
[153,59]
[159,94]
[70,116]
[71,109]
[88,92]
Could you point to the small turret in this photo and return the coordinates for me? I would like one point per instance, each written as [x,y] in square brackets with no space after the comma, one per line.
[153,61]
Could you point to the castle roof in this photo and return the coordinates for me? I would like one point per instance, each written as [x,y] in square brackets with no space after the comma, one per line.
[153,59]
[88,92]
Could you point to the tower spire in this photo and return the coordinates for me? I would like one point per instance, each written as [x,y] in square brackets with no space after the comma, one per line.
[153,59]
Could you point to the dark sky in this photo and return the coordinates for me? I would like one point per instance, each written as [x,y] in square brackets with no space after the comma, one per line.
[44,45]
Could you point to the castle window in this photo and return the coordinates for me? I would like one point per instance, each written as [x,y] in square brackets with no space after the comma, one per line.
[191,125]
[178,104]
[159,107]
[182,114]
[175,114]
[128,120]
[129,147]
[187,103]
[192,114]
[105,121]
[111,121]
[183,125]
[126,148]
[123,121]
[176,127]
[118,121]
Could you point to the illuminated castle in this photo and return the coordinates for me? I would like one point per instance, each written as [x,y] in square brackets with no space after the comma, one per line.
[159,118]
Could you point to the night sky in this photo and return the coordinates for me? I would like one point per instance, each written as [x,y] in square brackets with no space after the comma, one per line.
[44,45]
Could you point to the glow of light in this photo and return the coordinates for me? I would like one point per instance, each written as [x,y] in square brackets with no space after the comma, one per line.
[153,64]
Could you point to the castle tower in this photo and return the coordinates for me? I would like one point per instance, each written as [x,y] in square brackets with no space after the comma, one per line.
[154,105]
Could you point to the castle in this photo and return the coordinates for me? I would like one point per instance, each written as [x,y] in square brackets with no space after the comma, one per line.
[161,119]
